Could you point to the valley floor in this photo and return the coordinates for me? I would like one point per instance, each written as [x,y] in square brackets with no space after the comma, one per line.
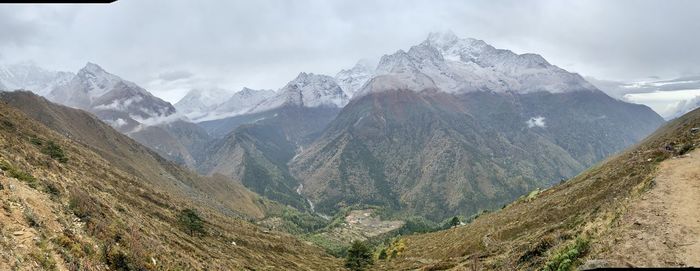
[662,228]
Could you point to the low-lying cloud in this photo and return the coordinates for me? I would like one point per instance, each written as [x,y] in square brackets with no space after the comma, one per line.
[536,122]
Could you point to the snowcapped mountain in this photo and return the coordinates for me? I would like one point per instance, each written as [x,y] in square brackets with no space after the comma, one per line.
[351,80]
[459,65]
[307,90]
[29,76]
[199,102]
[110,97]
[242,101]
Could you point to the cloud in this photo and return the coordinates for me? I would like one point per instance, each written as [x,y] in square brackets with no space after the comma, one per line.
[175,75]
[263,44]
[536,122]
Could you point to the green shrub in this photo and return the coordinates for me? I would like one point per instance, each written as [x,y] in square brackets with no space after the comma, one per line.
[20,175]
[359,256]
[44,259]
[454,222]
[191,222]
[54,151]
[568,258]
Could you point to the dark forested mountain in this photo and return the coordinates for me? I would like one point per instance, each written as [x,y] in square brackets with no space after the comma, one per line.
[461,153]
[454,126]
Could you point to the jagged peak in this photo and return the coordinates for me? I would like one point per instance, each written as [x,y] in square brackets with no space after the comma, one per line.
[93,68]
[445,37]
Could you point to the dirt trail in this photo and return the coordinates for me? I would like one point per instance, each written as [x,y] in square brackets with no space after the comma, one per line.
[663,227]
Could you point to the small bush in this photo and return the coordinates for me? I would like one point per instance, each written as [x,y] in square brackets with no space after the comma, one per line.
[567,258]
[191,222]
[42,256]
[52,189]
[54,151]
[31,217]
[359,256]
[82,205]
[19,175]
[454,222]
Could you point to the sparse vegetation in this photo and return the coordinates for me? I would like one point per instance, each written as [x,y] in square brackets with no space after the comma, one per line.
[359,256]
[54,151]
[191,222]
[82,205]
[19,174]
[31,217]
[567,258]
[42,256]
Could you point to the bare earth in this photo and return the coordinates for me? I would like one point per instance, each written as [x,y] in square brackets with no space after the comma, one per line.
[663,227]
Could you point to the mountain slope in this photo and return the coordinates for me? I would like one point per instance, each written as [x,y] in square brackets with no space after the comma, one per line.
[179,141]
[455,126]
[89,212]
[438,154]
[256,154]
[129,156]
[112,98]
[593,207]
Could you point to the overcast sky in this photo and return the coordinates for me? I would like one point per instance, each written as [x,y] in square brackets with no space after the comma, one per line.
[169,46]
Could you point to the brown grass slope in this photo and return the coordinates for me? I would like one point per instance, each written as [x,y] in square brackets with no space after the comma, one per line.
[536,229]
[97,211]
[129,156]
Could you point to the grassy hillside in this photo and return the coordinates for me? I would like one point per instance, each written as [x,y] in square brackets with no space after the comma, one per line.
[558,226]
[69,206]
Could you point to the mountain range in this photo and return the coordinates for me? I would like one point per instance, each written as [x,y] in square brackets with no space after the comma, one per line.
[449,114]
[546,169]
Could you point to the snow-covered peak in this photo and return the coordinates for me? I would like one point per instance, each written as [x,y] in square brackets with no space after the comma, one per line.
[442,38]
[351,80]
[29,76]
[239,103]
[458,65]
[110,97]
[307,90]
[198,102]
[93,68]
[95,81]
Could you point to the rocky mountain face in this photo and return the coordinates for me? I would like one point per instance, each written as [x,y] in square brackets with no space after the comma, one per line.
[29,76]
[307,90]
[111,98]
[454,126]
[352,80]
